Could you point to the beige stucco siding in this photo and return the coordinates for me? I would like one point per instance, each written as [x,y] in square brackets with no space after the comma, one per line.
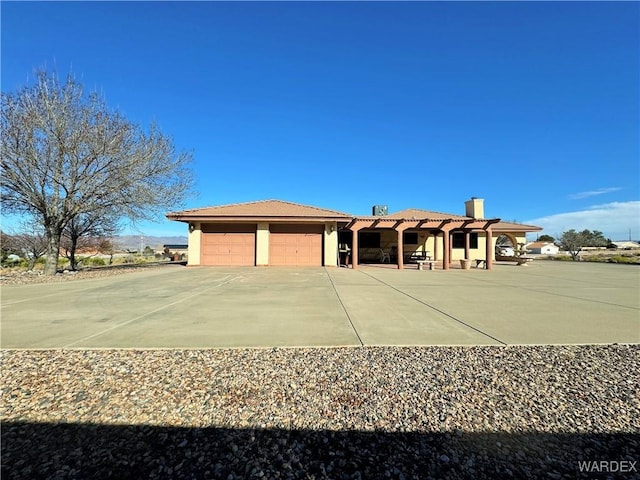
[330,253]
[262,244]
[474,253]
[195,238]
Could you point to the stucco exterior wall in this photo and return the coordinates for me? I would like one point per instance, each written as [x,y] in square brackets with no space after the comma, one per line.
[437,252]
[330,254]
[430,246]
[389,239]
[420,247]
[474,253]
[262,244]
[195,237]
[522,241]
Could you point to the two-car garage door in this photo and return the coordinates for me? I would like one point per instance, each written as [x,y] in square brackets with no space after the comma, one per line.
[224,244]
[235,244]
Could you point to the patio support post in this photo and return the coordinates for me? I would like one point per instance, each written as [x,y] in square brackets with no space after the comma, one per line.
[489,250]
[400,228]
[354,250]
[400,250]
[467,241]
[355,228]
[446,254]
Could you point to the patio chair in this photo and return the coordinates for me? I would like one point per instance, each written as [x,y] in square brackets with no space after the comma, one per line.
[384,256]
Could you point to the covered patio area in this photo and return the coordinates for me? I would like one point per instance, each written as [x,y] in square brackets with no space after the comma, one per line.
[411,241]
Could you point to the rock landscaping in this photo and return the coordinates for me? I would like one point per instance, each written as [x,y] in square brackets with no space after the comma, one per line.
[524,412]
[15,276]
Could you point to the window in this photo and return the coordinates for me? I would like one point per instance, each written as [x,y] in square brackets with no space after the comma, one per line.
[410,238]
[457,240]
[369,239]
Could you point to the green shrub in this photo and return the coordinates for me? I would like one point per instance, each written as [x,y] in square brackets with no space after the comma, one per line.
[97,262]
[622,259]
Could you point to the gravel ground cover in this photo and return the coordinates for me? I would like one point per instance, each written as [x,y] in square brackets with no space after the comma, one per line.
[343,413]
[14,276]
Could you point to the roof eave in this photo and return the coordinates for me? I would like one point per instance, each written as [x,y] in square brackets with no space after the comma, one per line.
[254,218]
[517,228]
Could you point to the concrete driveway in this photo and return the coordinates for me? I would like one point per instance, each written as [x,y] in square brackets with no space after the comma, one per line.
[179,307]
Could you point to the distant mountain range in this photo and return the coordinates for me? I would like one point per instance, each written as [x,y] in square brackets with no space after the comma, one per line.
[134,242]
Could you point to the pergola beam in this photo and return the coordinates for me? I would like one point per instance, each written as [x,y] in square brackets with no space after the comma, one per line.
[444,225]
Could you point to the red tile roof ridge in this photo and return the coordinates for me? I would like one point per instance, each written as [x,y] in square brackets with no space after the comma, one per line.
[262,202]
[502,225]
[407,213]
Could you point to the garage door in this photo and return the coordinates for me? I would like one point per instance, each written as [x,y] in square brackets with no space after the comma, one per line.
[228,245]
[295,245]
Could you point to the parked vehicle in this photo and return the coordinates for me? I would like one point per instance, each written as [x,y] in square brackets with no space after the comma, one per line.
[505,251]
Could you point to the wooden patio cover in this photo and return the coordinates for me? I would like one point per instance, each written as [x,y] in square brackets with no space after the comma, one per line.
[441,225]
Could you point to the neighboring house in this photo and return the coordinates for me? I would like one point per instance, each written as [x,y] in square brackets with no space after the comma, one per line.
[624,245]
[279,233]
[174,250]
[543,248]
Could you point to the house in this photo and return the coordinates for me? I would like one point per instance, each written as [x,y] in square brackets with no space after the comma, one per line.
[172,248]
[279,233]
[174,251]
[543,248]
[624,245]
[270,232]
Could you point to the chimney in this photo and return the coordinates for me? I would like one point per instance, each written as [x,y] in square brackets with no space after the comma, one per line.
[474,208]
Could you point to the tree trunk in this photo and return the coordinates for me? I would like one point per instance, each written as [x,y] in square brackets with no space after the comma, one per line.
[53,251]
[73,264]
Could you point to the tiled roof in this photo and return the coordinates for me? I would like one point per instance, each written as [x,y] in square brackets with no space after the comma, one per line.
[263,208]
[282,210]
[538,244]
[626,244]
[418,214]
[515,227]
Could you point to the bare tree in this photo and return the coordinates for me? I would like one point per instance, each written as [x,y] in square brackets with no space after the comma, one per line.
[108,246]
[65,154]
[6,246]
[29,242]
[86,231]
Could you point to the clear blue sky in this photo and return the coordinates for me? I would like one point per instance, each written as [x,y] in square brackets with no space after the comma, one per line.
[532,106]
